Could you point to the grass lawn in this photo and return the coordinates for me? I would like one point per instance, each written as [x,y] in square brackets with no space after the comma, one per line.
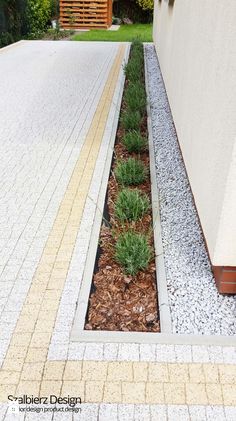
[125,33]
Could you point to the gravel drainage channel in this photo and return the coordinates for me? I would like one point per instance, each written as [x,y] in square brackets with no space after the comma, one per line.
[191,310]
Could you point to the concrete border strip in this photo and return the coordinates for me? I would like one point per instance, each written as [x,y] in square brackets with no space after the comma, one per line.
[13,45]
[164,309]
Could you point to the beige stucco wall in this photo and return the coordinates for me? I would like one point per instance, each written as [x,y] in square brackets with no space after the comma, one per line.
[196,46]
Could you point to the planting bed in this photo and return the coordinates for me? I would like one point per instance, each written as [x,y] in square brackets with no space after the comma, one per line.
[123,298]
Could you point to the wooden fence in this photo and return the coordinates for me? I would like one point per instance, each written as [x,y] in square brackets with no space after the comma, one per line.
[75,14]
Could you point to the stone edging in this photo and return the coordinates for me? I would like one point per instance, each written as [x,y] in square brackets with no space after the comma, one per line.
[164,309]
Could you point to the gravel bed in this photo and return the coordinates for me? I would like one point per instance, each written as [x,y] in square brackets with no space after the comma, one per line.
[195,304]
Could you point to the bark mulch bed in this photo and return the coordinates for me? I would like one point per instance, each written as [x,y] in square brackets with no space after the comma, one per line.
[119,302]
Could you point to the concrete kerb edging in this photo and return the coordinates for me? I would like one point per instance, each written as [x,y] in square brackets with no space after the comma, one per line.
[14,44]
[78,333]
[164,309]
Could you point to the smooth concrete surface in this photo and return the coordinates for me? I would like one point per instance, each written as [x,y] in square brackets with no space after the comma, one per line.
[195,42]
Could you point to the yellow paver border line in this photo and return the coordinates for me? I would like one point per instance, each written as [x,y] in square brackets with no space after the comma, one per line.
[26,358]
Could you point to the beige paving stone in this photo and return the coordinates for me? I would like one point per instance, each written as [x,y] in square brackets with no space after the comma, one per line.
[16,352]
[52,295]
[62,264]
[32,371]
[229,394]
[47,258]
[178,373]
[94,370]
[227,374]
[50,387]
[140,371]
[53,370]
[46,315]
[21,339]
[9,377]
[56,284]
[158,372]
[13,364]
[120,371]
[112,392]
[28,388]
[155,393]
[59,273]
[211,373]
[73,370]
[94,391]
[45,267]
[36,355]
[34,297]
[5,391]
[214,394]
[44,326]
[40,340]
[133,392]
[39,285]
[196,394]
[196,373]
[40,278]
[30,310]
[74,389]
[50,305]
[174,393]
[25,324]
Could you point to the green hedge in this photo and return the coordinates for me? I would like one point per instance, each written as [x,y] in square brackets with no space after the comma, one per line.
[38,13]
[25,18]
[12,21]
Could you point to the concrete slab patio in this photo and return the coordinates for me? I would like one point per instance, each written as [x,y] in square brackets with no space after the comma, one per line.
[58,108]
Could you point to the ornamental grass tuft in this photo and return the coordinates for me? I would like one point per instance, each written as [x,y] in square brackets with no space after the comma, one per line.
[131,171]
[134,69]
[134,142]
[135,96]
[131,205]
[130,120]
[132,252]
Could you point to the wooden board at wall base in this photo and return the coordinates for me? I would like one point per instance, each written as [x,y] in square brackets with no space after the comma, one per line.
[225,277]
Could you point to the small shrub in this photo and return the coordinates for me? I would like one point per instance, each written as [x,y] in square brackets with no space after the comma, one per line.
[134,69]
[130,172]
[131,205]
[135,96]
[137,51]
[37,16]
[130,120]
[134,142]
[132,252]
[137,44]
[146,4]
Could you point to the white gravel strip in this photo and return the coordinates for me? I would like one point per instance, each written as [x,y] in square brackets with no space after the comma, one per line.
[196,306]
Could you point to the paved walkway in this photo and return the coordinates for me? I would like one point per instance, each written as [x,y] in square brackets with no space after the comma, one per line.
[58,107]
